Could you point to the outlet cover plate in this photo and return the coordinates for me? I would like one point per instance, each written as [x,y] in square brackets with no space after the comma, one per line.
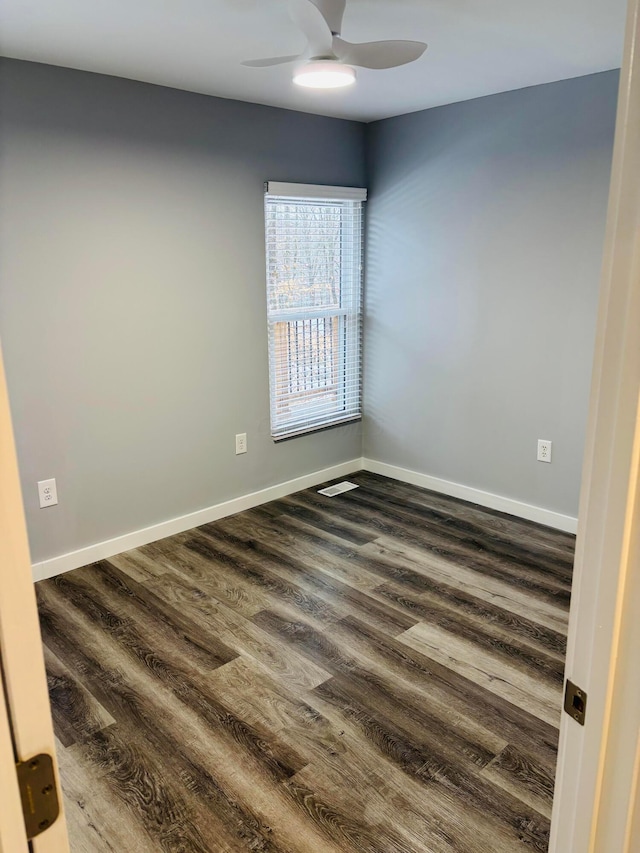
[544,450]
[48,493]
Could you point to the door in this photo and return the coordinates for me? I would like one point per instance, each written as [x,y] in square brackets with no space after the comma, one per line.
[25,718]
[596,806]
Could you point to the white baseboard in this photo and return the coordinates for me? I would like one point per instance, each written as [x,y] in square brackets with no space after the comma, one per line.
[111,547]
[532,513]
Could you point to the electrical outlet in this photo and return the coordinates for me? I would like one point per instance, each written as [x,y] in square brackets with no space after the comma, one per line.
[544,450]
[241,443]
[48,493]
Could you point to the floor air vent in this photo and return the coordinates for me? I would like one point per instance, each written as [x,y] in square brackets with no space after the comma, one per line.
[338,489]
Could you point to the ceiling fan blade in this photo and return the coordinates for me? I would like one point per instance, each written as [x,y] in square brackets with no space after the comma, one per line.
[333,13]
[378,54]
[275,60]
[311,21]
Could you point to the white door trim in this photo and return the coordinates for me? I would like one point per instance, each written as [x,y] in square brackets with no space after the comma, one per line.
[597,765]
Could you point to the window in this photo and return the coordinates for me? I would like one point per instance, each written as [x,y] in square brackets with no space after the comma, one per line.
[314,305]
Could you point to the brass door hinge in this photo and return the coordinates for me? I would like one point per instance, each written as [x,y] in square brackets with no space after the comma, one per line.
[39,794]
[575,702]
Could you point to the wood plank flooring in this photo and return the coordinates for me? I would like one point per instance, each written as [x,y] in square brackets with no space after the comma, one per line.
[378,672]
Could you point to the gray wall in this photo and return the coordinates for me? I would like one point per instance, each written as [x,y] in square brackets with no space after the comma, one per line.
[132,295]
[132,305]
[486,225]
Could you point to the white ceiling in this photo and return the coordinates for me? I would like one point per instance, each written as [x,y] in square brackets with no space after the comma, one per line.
[476,47]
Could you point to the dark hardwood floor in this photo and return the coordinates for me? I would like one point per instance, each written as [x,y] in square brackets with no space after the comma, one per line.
[377,672]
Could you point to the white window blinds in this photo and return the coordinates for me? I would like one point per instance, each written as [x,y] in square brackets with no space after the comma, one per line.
[314,304]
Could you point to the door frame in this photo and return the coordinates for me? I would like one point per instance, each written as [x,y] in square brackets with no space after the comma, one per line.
[596,806]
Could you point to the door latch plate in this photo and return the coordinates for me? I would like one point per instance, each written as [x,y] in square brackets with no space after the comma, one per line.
[575,702]
[39,793]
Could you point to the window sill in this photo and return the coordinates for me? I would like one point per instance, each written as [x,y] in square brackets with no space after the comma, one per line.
[318,428]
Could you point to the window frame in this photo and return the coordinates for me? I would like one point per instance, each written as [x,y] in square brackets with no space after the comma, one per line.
[349,315]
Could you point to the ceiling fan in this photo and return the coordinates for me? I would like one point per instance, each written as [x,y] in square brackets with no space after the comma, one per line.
[330,61]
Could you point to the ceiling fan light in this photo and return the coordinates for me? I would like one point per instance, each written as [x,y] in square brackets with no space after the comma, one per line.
[325,74]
